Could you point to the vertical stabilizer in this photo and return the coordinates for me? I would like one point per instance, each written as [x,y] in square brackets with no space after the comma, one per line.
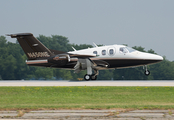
[32,47]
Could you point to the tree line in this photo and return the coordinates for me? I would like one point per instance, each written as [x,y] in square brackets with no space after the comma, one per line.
[13,66]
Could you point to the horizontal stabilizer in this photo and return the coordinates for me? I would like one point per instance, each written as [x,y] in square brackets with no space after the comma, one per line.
[19,35]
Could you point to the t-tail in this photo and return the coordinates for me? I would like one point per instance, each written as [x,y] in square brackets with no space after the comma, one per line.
[32,47]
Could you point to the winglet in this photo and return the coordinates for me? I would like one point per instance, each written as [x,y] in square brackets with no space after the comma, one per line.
[95,44]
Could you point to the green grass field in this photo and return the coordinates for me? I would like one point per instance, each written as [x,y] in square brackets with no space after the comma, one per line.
[86,97]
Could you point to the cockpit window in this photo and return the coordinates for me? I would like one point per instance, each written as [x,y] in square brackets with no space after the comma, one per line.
[130,49]
[126,50]
[123,50]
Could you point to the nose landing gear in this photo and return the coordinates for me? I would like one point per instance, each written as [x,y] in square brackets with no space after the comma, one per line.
[146,72]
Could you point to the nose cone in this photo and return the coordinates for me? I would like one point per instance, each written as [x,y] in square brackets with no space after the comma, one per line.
[158,57]
[152,58]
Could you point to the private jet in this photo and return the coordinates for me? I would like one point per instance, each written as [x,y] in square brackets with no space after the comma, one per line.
[90,59]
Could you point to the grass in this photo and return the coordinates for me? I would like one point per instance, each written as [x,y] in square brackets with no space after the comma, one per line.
[86,97]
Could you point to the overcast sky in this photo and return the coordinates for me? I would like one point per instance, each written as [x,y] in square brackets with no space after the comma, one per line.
[146,23]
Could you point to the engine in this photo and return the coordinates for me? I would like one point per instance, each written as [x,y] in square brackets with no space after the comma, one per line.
[60,60]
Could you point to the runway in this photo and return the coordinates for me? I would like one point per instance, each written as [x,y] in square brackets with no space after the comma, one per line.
[117,114]
[87,83]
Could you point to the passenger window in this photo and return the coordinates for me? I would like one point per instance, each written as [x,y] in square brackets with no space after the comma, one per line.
[103,52]
[111,51]
[95,52]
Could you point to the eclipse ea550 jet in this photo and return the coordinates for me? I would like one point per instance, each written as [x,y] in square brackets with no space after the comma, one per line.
[91,59]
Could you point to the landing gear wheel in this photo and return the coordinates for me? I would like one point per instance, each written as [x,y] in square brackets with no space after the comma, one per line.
[147,72]
[93,77]
[87,77]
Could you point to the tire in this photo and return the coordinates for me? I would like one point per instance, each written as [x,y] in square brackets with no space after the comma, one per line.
[94,77]
[147,72]
[87,77]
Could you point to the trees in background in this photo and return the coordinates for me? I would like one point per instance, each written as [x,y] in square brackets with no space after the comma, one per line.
[13,66]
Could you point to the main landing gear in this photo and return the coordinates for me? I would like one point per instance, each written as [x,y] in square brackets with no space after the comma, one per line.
[146,72]
[88,77]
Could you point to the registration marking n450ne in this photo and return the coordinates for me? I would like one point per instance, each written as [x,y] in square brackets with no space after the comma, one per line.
[38,54]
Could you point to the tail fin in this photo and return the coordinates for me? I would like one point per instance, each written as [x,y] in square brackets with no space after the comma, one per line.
[32,47]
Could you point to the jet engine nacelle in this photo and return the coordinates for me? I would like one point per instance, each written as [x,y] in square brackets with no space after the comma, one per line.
[60,60]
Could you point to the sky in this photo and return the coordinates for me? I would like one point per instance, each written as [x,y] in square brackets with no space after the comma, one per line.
[145,23]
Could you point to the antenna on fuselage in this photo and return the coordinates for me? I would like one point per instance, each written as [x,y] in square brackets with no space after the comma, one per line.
[74,48]
[95,44]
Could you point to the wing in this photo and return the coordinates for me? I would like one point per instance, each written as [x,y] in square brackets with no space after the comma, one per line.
[82,55]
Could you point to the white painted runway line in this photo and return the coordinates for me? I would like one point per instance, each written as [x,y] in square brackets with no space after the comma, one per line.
[87,83]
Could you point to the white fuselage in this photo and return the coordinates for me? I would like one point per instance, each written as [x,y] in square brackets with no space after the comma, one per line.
[119,52]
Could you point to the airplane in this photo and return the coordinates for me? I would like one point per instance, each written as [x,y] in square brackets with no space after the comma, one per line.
[90,59]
